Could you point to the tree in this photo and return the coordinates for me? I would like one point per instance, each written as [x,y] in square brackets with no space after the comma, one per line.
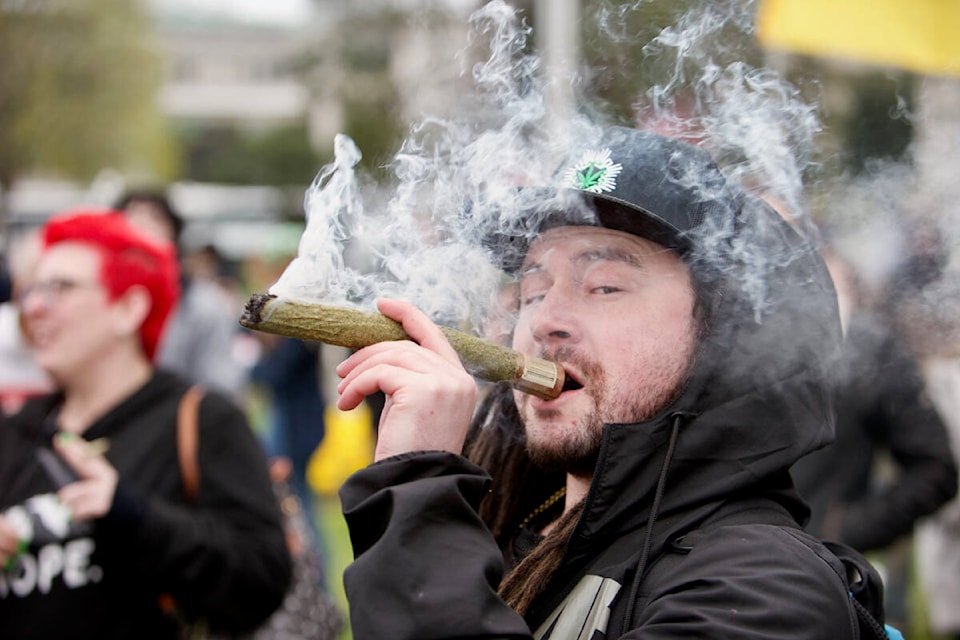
[78,88]
[279,156]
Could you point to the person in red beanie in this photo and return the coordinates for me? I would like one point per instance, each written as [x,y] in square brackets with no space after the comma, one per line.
[98,535]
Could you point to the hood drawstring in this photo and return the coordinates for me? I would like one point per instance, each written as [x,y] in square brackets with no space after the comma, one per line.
[630,615]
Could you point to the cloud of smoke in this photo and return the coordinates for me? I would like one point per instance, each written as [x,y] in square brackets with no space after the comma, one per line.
[456,178]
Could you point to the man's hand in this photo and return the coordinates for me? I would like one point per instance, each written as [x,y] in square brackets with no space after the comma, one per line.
[429,395]
[91,496]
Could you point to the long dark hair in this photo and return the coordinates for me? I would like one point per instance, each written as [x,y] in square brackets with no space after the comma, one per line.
[498,444]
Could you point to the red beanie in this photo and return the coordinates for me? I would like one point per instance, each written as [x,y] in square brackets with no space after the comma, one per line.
[128,258]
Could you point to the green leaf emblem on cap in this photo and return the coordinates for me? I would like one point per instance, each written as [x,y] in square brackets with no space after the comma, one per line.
[595,172]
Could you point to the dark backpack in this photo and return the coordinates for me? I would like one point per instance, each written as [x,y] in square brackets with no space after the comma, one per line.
[863,583]
[866,593]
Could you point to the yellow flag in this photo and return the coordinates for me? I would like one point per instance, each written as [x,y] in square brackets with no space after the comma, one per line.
[916,35]
[347,446]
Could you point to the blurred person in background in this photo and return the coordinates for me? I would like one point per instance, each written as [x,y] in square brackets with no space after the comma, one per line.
[937,539]
[199,343]
[891,463]
[925,301]
[209,264]
[289,370]
[6,281]
[20,377]
[289,373]
[98,537]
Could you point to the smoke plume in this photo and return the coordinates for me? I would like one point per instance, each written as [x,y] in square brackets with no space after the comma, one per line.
[456,178]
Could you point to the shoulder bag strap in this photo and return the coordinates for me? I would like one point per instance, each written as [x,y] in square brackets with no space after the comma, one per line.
[188,437]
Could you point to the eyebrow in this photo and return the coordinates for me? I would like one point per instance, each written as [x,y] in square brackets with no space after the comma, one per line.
[601,254]
[610,254]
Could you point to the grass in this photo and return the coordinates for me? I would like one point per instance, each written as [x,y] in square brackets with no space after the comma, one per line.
[337,551]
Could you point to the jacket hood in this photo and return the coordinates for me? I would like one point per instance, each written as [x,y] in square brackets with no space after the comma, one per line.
[756,400]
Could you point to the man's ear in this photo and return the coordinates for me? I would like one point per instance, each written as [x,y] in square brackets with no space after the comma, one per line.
[131,310]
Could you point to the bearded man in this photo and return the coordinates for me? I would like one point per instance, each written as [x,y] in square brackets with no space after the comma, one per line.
[651,499]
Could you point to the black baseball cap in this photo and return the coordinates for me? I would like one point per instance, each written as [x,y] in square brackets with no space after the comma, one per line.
[640,182]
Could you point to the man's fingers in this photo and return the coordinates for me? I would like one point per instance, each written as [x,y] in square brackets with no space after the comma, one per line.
[406,354]
[388,370]
[428,340]
[383,367]
[418,326]
[367,381]
[429,395]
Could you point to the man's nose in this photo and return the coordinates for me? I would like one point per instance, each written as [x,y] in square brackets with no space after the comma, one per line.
[555,318]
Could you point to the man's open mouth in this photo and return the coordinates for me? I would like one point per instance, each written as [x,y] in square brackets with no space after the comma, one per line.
[570,383]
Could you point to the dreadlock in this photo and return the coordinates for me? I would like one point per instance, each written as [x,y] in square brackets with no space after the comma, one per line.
[530,577]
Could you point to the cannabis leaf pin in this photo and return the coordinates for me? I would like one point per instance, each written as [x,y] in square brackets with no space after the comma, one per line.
[595,172]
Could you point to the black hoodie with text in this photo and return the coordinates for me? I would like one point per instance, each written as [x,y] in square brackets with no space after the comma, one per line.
[222,558]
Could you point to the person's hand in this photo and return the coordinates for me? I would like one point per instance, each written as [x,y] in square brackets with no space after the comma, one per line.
[91,496]
[429,395]
[9,542]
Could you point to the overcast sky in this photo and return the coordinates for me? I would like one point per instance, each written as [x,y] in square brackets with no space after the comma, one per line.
[270,11]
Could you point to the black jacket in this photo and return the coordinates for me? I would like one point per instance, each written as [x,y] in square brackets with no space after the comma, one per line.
[882,408]
[727,516]
[224,560]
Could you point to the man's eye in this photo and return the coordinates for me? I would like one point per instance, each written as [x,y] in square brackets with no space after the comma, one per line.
[530,299]
[606,289]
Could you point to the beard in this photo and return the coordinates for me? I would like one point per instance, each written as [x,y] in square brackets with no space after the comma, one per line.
[578,457]
[575,449]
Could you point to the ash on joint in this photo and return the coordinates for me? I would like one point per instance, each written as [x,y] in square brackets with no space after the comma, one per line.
[253,311]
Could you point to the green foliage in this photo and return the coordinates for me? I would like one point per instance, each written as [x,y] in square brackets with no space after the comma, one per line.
[376,130]
[78,89]
[878,127]
[624,61]
[366,87]
[280,156]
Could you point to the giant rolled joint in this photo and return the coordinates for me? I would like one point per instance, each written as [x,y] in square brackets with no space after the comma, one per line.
[355,329]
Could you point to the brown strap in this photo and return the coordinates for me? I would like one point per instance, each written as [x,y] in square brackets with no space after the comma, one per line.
[188,437]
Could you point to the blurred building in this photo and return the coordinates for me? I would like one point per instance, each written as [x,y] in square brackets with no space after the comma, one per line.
[222,69]
[250,67]
[230,67]
[236,73]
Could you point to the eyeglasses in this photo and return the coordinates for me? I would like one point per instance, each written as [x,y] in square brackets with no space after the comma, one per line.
[51,291]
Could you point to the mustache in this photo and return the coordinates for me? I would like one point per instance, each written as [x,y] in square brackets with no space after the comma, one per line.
[587,371]
[566,354]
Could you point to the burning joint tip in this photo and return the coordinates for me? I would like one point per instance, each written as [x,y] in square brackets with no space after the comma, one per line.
[253,311]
